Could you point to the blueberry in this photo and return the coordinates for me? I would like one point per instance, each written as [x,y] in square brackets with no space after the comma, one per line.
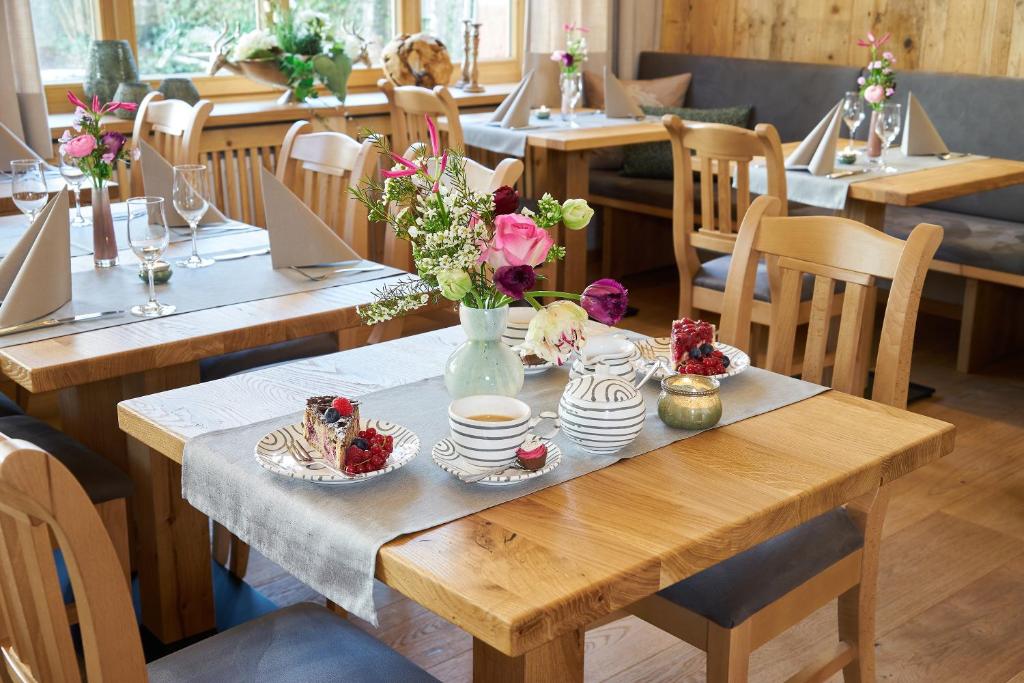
[361,443]
[331,416]
[706,349]
[725,361]
[695,353]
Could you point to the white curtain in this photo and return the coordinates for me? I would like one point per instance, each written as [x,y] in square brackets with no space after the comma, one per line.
[22,97]
[637,27]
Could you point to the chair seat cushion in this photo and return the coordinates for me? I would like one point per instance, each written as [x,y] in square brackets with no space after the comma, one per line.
[731,591]
[303,642]
[101,480]
[648,191]
[968,240]
[9,407]
[713,273]
[233,363]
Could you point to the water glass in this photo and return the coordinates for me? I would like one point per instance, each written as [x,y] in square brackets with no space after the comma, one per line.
[191,193]
[571,85]
[853,115]
[148,237]
[28,186]
[887,126]
[74,177]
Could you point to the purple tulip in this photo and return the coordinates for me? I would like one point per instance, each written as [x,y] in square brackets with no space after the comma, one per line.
[515,281]
[113,142]
[605,300]
[567,60]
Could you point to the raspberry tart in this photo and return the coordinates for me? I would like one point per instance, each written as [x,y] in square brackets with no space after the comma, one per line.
[533,458]
[693,348]
[330,424]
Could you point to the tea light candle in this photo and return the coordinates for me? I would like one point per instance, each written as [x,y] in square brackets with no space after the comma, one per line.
[543,112]
[161,272]
[690,402]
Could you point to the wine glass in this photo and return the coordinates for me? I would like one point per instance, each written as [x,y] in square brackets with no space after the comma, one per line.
[148,237]
[73,176]
[887,126]
[853,115]
[28,186]
[191,199]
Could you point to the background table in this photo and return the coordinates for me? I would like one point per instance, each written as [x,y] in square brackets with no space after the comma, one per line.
[526,577]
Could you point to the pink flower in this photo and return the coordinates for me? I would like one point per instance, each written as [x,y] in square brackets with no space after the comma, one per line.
[860,80]
[874,93]
[440,171]
[435,145]
[73,99]
[410,167]
[81,146]
[517,241]
[557,55]
[889,92]
[888,55]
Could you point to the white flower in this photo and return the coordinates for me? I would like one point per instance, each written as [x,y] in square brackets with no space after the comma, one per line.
[254,43]
[310,22]
[556,331]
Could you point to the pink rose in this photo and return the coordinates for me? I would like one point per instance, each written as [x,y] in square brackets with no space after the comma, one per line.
[874,94]
[81,146]
[517,241]
[860,80]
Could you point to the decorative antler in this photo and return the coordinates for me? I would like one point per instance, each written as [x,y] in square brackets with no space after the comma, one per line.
[364,45]
[219,52]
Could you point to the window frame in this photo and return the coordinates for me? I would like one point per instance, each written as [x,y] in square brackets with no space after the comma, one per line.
[116,21]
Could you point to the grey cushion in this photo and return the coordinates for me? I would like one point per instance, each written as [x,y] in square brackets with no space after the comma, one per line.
[9,407]
[713,273]
[731,591]
[303,642]
[971,240]
[263,356]
[101,480]
[650,191]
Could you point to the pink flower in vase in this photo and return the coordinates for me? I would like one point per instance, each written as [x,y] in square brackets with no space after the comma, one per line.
[81,146]
[557,55]
[889,92]
[517,241]
[889,56]
[860,80]
[874,94]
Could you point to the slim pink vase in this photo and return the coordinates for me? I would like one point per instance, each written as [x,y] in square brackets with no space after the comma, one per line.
[874,142]
[104,241]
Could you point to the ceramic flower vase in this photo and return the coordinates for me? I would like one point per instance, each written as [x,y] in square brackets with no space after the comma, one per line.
[483,364]
[104,242]
[874,142]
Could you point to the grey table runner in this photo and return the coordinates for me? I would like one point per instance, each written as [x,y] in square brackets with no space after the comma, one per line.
[477,132]
[329,536]
[828,193]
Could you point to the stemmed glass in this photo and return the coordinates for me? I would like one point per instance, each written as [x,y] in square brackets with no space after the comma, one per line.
[191,199]
[148,237]
[887,125]
[73,176]
[853,115]
[28,186]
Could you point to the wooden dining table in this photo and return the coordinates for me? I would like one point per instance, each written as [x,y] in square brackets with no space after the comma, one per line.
[93,370]
[526,578]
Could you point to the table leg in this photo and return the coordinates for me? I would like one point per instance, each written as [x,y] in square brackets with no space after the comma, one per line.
[868,213]
[559,660]
[573,270]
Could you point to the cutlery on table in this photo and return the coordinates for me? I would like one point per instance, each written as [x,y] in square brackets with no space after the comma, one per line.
[302,458]
[53,322]
[946,156]
[324,276]
[480,476]
[241,254]
[845,174]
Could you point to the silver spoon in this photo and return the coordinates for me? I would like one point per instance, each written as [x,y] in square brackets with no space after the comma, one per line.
[319,278]
[946,156]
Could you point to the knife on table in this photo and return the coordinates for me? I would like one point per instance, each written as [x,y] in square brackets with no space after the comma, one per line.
[53,322]
[241,254]
[844,174]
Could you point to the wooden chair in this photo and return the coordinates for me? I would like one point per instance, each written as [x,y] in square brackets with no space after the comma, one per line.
[738,605]
[40,497]
[172,127]
[409,103]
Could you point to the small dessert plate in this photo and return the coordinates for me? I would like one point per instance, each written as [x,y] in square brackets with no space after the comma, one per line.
[285,451]
[537,368]
[447,459]
[660,349]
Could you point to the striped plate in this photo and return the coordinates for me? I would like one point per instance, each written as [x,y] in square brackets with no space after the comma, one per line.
[447,459]
[660,349]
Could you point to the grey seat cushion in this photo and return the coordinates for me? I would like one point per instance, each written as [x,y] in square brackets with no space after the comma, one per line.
[731,591]
[303,642]
[101,480]
[9,407]
[649,191]
[227,364]
[713,273]
[970,240]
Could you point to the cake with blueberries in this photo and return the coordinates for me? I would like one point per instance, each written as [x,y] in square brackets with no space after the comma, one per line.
[693,349]
[330,425]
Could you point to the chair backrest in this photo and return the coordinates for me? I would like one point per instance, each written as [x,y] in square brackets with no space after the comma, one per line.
[319,168]
[832,249]
[409,103]
[172,127]
[40,497]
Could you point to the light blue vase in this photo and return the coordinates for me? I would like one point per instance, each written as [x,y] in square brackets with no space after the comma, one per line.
[483,364]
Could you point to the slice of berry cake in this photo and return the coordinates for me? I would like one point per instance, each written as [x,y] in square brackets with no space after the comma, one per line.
[693,350]
[330,424]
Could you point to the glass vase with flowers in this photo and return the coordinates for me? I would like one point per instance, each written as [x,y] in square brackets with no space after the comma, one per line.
[877,85]
[570,62]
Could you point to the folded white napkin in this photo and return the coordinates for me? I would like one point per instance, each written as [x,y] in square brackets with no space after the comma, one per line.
[158,181]
[297,235]
[618,103]
[514,111]
[12,147]
[919,134]
[817,152]
[35,276]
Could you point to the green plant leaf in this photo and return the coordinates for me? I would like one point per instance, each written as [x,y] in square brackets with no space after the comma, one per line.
[334,71]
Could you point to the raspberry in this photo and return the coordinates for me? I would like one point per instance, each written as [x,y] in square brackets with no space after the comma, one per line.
[371,432]
[343,406]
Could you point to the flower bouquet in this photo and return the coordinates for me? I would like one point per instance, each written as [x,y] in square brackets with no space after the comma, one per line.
[95,151]
[877,85]
[570,61]
[481,250]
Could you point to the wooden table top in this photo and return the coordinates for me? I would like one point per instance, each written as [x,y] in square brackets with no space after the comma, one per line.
[76,359]
[520,574]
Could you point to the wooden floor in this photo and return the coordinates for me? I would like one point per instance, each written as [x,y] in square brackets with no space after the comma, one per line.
[951,594]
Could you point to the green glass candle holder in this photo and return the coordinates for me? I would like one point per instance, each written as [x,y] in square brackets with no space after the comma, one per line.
[690,402]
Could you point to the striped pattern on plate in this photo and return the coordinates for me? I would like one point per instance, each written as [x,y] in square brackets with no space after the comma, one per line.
[274,453]
[660,349]
[601,414]
[447,459]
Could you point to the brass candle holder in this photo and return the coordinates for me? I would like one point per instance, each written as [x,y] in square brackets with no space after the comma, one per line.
[472,76]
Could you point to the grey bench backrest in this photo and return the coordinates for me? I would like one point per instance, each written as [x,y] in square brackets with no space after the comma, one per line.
[981,114]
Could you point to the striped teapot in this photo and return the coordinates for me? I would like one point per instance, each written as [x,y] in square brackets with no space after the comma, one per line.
[602,413]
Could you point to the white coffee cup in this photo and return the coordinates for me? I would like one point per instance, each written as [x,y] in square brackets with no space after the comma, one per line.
[518,323]
[488,443]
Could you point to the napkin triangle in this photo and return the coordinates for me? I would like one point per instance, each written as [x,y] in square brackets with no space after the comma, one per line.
[619,104]
[35,276]
[158,181]
[817,152]
[297,235]
[514,111]
[12,147]
[919,134]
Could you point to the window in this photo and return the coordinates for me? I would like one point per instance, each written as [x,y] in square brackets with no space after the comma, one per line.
[64,29]
[444,18]
[370,21]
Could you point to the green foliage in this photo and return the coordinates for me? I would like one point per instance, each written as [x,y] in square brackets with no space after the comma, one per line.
[333,71]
